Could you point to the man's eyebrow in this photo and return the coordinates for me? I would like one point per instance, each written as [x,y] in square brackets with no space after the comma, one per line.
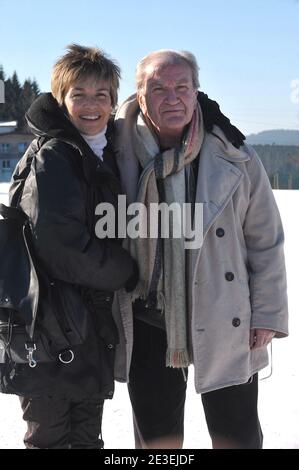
[157,81]
[183,80]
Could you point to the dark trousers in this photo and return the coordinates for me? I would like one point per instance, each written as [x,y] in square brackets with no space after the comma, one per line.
[158,395]
[54,423]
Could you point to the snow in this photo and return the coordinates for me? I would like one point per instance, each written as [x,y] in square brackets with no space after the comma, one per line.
[278,410]
[3,192]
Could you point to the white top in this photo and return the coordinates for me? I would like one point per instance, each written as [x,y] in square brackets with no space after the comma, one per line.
[97,142]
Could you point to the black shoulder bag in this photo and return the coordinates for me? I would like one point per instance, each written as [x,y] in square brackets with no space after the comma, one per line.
[37,323]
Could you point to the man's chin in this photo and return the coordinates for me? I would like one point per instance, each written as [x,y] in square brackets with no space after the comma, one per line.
[175,126]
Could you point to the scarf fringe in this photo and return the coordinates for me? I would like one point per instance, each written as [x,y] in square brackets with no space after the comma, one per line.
[177,358]
[140,292]
[161,304]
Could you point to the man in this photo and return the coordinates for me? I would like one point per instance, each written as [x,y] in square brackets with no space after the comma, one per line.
[217,306]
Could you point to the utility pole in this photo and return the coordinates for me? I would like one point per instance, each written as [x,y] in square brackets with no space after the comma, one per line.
[276,180]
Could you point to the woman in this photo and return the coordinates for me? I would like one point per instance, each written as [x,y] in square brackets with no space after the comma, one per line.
[72,170]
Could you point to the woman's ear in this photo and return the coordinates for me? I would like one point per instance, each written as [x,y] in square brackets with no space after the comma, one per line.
[63,108]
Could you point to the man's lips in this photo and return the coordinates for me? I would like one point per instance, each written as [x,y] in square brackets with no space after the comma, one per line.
[173,111]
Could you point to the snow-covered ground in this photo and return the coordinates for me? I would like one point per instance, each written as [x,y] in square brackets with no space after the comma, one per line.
[278,397]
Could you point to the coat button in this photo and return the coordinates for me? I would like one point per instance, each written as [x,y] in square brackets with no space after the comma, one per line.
[110,346]
[229,276]
[220,232]
[110,394]
[236,322]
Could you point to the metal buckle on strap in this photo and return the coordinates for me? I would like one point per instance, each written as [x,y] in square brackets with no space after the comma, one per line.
[31,347]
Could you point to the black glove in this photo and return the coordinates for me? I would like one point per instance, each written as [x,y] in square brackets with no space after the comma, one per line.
[131,283]
[212,115]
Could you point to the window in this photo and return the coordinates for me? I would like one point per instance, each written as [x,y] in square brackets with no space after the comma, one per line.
[5,163]
[22,146]
[4,148]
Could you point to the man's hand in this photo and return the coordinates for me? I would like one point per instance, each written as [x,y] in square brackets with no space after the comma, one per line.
[260,337]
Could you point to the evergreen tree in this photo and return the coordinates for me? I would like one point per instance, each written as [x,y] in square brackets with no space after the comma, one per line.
[18,98]
[29,92]
[35,88]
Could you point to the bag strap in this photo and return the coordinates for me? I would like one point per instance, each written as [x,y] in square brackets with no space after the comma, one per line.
[35,147]
[13,213]
[30,303]
[16,213]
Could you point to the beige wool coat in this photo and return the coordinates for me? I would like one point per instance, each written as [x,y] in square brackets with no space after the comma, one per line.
[238,278]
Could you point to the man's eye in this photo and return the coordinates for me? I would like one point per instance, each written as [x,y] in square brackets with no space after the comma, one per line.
[182,87]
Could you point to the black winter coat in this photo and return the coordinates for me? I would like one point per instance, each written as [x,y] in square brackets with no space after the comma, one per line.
[65,181]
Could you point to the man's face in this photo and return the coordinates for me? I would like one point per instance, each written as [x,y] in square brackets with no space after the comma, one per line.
[88,103]
[168,98]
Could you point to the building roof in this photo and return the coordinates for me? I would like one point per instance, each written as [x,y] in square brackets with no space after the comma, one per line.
[9,124]
[26,135]
[9,156]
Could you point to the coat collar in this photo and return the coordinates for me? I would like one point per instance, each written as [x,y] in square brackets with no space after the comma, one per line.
[218,175]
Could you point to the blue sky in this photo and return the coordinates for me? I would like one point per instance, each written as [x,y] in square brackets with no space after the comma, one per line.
[248,51]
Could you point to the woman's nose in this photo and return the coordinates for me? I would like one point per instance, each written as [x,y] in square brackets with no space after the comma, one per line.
[90,101]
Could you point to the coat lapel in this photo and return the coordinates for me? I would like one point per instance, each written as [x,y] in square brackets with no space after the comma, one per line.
[218,176]
[217,181]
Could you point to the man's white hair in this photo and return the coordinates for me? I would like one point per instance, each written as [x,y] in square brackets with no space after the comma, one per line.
[164,58]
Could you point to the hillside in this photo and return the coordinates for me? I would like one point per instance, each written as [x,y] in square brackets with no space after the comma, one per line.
[276,137]
[281,163]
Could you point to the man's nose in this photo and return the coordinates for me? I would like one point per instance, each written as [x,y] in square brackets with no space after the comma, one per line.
[171,96]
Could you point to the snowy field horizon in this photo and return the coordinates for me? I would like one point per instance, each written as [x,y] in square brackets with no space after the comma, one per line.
[278,394]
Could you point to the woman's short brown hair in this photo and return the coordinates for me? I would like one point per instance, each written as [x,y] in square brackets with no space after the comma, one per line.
[80,63]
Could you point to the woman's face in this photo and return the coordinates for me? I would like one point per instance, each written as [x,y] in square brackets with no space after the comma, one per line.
[88,103]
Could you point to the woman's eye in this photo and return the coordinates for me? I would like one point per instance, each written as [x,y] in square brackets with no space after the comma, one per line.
[102,96]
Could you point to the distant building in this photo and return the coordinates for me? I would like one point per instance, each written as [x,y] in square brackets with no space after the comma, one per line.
[13,144]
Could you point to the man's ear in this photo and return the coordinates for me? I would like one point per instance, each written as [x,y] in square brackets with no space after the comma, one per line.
[196,98]
[141,102]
